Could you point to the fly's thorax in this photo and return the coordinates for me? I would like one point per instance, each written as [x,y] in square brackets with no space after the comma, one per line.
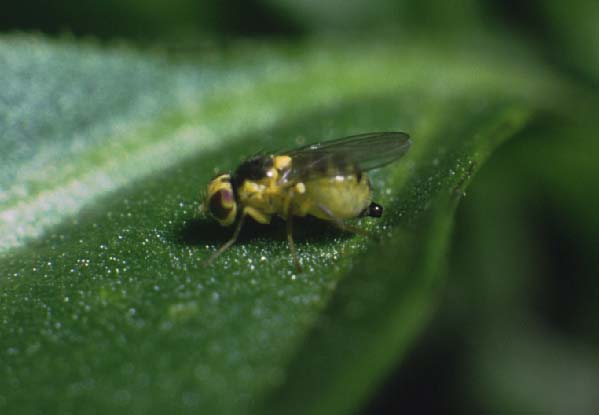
[220,200]
[260,183]
[266,195]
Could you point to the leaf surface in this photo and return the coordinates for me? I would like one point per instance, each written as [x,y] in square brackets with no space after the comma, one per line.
[106,304]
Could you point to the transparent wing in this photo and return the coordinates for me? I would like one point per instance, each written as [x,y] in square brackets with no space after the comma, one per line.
[347,155]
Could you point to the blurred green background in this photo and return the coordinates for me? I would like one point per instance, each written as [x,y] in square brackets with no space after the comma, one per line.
[518,324]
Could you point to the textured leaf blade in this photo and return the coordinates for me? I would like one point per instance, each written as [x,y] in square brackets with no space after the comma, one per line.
[108,307]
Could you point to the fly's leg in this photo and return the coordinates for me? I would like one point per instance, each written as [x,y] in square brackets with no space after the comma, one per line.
[292,244]
[230,242]
[289,218]
[344,226]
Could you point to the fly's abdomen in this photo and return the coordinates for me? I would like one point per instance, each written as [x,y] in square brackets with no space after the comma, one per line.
[342,197]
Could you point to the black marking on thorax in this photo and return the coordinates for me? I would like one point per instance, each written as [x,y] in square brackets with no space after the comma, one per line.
[251,169]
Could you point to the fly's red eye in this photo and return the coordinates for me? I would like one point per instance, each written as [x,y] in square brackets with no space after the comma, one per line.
[220,204]
[226,196]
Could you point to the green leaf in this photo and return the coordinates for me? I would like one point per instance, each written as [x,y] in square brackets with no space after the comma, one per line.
[106,303]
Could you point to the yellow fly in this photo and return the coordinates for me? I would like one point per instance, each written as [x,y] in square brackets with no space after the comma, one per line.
[326,180]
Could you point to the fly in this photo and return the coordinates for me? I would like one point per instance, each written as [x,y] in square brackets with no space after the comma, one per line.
[328,180]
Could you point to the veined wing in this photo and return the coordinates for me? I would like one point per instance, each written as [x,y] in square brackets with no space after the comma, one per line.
[347,155]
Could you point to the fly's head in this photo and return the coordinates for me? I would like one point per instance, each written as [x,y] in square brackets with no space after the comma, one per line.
[220,200]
